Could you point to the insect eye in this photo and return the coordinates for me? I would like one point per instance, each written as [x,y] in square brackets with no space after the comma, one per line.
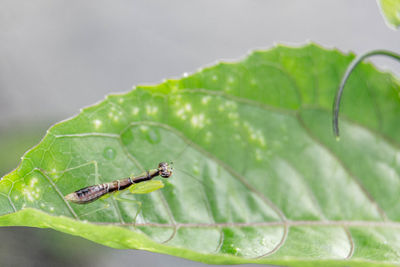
[162,165]
[168,172]
[165,170]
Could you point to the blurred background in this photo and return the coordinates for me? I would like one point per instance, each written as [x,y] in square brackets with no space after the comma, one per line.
[59,56]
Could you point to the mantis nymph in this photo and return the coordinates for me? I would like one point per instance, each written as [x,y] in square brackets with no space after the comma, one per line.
[140,184]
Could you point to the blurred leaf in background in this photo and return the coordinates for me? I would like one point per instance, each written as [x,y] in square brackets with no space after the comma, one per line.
[391,12]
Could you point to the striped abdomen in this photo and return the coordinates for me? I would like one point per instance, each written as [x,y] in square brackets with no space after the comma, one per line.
[94,192]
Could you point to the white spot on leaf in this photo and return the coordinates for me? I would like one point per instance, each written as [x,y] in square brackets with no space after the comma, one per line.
[198,121]
[188,107]
[97,123]
[135,111]
[151,110]
[205,100]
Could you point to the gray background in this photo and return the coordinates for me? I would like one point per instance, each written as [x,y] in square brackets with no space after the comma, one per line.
[59,56]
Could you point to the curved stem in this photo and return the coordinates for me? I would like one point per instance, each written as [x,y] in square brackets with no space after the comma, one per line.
[354,63]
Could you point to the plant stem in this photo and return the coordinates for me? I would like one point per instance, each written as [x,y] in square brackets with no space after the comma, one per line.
[352,66]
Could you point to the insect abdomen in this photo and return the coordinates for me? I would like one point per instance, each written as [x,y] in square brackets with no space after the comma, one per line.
[94,192]
[88,194]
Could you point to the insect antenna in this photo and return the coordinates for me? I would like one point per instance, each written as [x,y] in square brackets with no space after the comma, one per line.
[194,177]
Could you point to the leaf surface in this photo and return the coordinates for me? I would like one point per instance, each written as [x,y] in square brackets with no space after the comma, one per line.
[258,176]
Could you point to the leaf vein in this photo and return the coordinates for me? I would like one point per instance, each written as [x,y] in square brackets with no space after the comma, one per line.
[351,241]
[55,187]
[341,163]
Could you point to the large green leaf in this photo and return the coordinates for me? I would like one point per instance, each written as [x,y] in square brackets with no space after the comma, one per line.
[272,184]
[391,11]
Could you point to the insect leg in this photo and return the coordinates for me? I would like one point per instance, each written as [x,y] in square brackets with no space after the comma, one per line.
[106,206]
[136,202]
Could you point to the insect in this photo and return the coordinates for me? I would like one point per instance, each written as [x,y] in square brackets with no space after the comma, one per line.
[94,192]
[139,184]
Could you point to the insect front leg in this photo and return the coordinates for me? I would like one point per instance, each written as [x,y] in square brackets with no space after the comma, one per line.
[146,187]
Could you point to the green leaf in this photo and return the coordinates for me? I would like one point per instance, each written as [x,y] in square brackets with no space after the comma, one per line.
[258,176]
[391,12]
